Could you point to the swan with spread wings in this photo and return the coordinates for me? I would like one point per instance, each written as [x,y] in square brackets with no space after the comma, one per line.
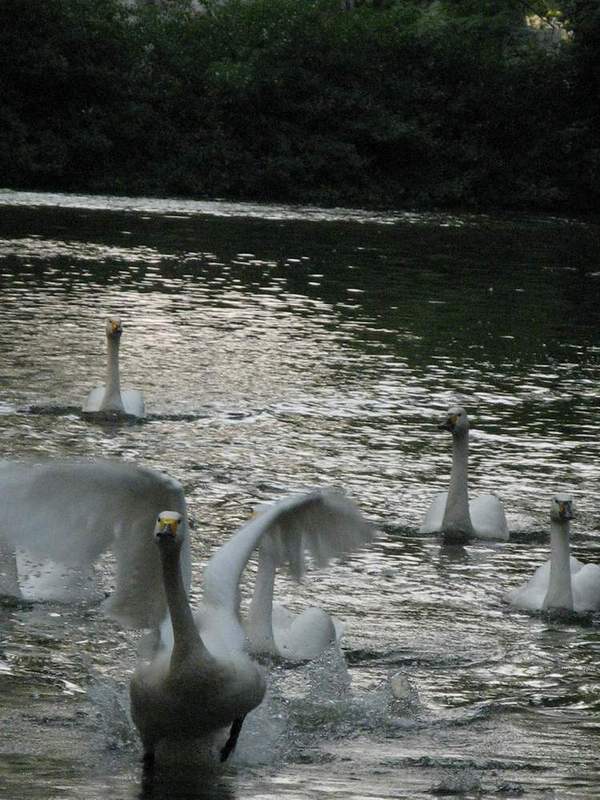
[201,682]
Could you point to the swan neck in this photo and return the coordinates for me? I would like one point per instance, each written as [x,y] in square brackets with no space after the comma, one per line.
[457,519]
[560,592]
[260,612]
[112,396]
[186,638]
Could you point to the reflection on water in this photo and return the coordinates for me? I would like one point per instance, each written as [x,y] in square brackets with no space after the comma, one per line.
[281,348]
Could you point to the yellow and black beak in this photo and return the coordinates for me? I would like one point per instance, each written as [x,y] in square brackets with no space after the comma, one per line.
[166,527]
[449,423]
[565,509]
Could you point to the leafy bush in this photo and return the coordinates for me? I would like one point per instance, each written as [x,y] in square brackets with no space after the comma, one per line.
[389,104]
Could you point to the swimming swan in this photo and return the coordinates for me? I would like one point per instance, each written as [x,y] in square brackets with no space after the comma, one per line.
[70,512]
[563,582]
[328,524]
[451,513]
[200,681]
[111,397]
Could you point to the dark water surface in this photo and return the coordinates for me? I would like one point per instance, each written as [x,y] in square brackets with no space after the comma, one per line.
[281,348]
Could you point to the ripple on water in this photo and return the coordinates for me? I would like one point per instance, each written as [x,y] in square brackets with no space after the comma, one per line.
[282,348]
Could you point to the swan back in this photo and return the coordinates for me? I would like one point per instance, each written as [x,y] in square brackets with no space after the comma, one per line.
[434,517]
[303,637]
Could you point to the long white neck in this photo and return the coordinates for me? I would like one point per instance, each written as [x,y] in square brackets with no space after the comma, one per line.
[112,400]
[260,613]
[560,593]
[457,520]
[186,639]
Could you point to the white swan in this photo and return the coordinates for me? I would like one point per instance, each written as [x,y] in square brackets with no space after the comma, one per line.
[328,524]
[563,582]
[201,679]
[111,397]
[69,512]
[451,512]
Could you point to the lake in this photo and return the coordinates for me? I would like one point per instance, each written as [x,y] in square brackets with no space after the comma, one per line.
[282,348]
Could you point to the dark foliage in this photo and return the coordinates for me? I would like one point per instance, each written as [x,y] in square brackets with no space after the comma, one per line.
[389,104]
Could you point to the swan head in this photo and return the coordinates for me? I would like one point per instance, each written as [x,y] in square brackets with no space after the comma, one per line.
[114,329]
[456,421]
[561,508]
[167,531]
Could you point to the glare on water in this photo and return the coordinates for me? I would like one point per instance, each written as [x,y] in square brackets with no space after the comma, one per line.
[284,348]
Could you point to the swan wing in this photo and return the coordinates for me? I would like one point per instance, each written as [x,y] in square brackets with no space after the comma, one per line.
[325,522]
[133,402]
[586,587]
[488,517]
[58,510]
[72,511]
[435,514]
[94,399]
[531,594]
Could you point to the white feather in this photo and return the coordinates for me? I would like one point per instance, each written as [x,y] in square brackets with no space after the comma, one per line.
[325,524]
[563,582]
[110,397]
[451,512]
[69,512]
[198,695]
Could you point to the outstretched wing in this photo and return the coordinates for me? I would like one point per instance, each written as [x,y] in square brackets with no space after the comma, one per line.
[71,511]
[324,522]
